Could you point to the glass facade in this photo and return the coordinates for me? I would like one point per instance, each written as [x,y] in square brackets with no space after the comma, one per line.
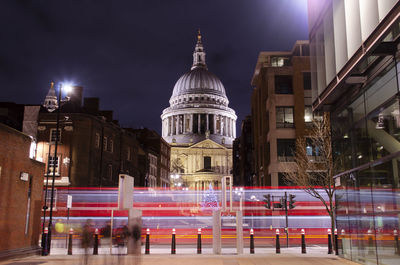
[366,144]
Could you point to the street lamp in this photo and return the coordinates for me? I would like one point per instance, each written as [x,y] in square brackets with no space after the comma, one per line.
[46,248]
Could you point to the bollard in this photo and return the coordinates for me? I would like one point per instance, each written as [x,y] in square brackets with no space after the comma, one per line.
[396,242]
[45,242]
[173,243]
[147,250]
[199,241]
[329,241]
[278,245]
[303,242]
[96,242]
[336,243]
[71,232]
[251,241]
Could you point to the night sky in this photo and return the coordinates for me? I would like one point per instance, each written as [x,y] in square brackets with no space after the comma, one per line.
[131,53]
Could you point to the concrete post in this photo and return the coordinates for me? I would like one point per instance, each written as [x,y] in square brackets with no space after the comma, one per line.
[239,232]
[217,232]
[134,218]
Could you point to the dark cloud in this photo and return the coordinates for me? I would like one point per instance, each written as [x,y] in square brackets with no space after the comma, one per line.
[131,53]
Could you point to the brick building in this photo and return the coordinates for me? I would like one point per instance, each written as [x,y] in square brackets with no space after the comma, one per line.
[21,186]
[158,153]
[280,109]
[92,148]
[243,155]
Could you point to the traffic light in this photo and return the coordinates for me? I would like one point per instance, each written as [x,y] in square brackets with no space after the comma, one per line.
[292,201]
[267,201]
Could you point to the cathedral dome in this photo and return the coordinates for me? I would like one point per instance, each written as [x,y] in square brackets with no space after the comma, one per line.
[199,81]
[199,107]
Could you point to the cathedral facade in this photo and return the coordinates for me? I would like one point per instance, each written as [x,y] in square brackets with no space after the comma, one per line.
[199,126]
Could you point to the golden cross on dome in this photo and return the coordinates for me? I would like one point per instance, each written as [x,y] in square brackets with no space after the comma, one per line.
[198,35]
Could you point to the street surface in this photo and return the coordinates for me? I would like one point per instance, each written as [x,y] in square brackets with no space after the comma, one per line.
[185,256]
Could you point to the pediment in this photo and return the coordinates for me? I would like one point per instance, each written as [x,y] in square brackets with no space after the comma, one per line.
[208,144]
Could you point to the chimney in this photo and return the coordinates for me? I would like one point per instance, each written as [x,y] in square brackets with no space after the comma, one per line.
[76,96]
[91,105]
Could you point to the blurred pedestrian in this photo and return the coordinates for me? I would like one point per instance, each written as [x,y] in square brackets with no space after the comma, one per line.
[122,240]
[136,237]
[87,240]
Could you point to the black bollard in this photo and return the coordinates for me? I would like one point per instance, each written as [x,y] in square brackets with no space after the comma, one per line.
[396,242]
[199,241]
[278,245]
[336,243]
[96,242]
[173,243]
[71,232]
[251,241]
[303,242]
[147,250]
[45,242]
[330,241]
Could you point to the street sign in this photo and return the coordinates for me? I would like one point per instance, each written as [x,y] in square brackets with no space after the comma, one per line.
[69,201]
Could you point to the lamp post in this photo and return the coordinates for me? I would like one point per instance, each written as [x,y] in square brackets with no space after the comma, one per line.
[55,164]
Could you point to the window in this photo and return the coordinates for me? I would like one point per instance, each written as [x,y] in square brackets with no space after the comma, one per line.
[128,154]
[311,149]
[207,162]
[286,149]
[307,81]
[283,84]
[53,161]
[284,117]
[105,143]
[111,147]
[308,115]
[278,61]
[53,135]
[97,140]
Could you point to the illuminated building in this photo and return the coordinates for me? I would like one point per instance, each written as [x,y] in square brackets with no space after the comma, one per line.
[354,64]
[280,111]
[199,126]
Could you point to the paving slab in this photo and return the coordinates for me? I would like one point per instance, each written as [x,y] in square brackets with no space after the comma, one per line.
[187,256]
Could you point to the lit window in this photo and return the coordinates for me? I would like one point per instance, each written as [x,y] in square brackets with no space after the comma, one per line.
[105,143]
[111,147]
[284,117]
[53,135]
[308,115]
[53,162]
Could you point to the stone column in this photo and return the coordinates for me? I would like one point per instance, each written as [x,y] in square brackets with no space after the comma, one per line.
[215,124]
[207,127]
[199,123]
[191,123]
[229,126]
[170,125]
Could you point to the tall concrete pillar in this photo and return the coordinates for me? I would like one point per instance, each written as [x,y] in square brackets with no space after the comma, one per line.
[217,232]
[239,232]
[191,123]
[134,219]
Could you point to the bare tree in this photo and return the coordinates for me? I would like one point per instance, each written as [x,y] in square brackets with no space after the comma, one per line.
[314,172]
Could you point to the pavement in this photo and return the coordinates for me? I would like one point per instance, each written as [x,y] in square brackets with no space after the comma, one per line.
[187,256]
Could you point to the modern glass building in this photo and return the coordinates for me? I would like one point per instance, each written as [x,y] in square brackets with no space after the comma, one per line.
[355,77]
